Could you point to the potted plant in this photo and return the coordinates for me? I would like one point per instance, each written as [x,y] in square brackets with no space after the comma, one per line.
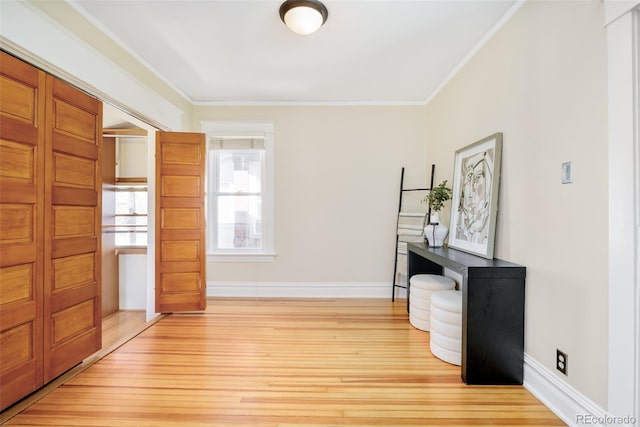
[434,232]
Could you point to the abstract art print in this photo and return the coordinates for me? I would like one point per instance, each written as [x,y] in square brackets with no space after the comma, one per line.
[476,178]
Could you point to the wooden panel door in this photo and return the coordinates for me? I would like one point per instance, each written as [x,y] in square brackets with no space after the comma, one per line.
[72,274]
[180,222]
[22,105]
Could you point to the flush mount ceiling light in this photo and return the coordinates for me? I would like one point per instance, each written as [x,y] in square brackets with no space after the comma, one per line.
[303,16]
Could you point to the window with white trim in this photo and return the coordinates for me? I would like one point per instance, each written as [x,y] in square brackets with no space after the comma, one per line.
[130,214]
[239,194]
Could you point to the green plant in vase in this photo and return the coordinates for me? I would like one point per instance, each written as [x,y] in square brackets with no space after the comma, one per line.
[438,196]
[434,232]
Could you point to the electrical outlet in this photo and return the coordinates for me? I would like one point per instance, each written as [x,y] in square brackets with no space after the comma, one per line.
[561,361]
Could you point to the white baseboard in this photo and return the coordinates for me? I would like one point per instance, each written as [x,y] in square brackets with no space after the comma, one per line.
[302,289]
[566,402]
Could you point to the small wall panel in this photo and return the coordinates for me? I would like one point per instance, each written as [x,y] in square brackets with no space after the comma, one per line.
[180,186]
[73,171]
[180,250]
[17,347]
[73,221]
[16,162]
[73,321]
[180,154]
[17,224]
[180,218]
[73,271]
[74,121]
[180,282]
[16,283]
[23,100]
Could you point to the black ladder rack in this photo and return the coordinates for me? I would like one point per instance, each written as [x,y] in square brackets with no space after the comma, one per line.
[398,241]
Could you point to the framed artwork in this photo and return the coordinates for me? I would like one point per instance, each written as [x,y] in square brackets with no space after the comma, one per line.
[476,177]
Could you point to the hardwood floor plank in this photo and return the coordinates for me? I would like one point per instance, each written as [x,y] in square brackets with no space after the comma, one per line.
[121,324]
[117,329]
[282,363]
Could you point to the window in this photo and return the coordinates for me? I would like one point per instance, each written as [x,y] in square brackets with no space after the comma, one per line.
[239,193]
[131,214]
[237,189]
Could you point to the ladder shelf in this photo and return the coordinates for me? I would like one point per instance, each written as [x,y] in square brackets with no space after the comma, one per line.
[409,228]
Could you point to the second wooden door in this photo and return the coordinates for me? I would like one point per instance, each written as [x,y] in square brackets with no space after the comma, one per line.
[180,222]
[73,189]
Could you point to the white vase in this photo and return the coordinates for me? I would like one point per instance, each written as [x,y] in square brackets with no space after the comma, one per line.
[434,232]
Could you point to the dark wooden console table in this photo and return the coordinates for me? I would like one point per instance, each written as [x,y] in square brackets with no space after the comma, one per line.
[492,311]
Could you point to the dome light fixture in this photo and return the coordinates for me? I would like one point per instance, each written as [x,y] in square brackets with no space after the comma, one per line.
[303,16]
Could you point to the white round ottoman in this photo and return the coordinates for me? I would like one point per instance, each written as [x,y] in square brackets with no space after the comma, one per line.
[446,326]
[421,287]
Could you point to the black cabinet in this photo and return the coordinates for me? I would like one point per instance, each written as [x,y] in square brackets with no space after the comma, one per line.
[492,311]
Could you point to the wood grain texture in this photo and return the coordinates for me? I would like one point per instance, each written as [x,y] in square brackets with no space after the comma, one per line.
[73,200]
[180,282]
[22,130]
[117,329]
[276,362]
[121,324]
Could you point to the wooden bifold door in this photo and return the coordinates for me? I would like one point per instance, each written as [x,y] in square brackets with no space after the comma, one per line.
[50,226]
[180,243]
[50,191]
[73,224]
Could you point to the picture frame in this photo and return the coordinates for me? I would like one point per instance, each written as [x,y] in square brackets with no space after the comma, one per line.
[474,207]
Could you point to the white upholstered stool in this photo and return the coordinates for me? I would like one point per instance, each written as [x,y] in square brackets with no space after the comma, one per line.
[446,326]
[421,287]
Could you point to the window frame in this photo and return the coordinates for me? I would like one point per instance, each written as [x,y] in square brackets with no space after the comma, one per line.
[218,129]
[125,185]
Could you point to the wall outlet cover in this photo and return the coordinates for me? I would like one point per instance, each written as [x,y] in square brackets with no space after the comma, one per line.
[561,361]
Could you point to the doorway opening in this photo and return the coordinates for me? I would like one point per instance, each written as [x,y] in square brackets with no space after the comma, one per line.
[128,268]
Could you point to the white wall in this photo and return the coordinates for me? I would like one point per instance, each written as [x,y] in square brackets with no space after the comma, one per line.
[542,81]
[132,277]
[337,174]
[132,158]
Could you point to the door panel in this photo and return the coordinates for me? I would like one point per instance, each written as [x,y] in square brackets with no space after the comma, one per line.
[180,250]
[22,107]
[180,262]
[72,275]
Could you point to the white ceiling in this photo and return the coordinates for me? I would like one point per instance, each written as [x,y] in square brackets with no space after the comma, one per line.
[239,52]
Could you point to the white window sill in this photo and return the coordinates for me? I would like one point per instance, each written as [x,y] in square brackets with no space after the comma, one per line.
[242,257]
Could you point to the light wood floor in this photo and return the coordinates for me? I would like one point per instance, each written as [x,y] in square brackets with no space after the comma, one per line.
[117,329]
[122,325]
[276,362]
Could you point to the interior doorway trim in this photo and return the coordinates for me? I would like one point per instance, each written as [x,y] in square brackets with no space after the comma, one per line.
[624,208]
